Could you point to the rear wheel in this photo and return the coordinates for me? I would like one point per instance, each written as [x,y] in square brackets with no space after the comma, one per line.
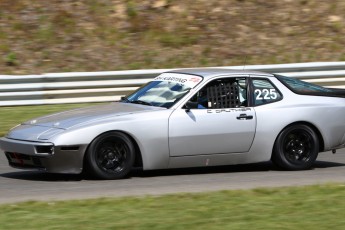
[110,156]
[296,148]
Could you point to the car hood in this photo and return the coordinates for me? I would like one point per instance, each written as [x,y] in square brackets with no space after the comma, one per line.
[68,119]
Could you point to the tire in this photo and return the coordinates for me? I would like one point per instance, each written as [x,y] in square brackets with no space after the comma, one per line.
[296,148]
[110,156]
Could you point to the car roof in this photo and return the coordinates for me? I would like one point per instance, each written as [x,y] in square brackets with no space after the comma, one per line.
[212,72]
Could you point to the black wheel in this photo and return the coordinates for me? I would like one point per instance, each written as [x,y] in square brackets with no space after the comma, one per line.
[296,148]
[110,156]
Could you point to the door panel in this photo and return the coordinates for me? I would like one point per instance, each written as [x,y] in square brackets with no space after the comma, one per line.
[207,131]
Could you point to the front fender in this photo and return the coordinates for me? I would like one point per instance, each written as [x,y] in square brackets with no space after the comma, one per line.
[149,130]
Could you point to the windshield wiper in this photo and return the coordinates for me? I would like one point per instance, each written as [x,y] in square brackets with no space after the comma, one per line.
[141,102]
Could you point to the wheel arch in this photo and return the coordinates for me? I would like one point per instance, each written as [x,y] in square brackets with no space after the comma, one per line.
[138,163]
[317,131]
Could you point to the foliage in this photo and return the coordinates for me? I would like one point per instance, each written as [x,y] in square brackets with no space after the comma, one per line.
[91,35]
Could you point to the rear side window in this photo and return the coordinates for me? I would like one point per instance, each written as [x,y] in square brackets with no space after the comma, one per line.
[301,87]
[265,92]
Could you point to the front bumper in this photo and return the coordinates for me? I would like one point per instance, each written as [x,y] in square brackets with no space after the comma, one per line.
[43,156]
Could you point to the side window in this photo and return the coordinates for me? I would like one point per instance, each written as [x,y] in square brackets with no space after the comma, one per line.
[222,93]
[265,92]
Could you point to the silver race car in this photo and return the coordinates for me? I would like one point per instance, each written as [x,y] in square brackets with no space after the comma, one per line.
[187,118]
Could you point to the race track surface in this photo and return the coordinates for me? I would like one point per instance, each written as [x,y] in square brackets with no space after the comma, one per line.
[18,185]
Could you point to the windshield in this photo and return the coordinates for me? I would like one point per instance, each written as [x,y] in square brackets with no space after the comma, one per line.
[165,90]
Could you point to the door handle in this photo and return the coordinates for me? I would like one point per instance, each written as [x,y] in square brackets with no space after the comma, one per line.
[244,116]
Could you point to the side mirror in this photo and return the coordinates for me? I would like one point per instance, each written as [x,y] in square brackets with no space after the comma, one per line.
[190,105]
[124,99]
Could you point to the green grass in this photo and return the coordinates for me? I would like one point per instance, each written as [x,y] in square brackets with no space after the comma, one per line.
[11,116]
[311,207]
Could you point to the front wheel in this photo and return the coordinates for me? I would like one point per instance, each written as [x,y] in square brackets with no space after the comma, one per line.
[296,148]
[110,156]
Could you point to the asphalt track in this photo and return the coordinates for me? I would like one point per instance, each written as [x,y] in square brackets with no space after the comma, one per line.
[18,185]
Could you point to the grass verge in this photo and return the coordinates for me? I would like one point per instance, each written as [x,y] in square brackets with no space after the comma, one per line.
[11,116]
[310,207]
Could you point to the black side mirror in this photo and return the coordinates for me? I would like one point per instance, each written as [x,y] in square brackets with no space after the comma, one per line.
[191,105]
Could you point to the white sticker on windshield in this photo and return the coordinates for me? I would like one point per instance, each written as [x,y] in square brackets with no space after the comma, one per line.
[185,79]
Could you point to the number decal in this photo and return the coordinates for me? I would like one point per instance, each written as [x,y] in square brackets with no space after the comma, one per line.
[273,94]
[258,94]
[266,94]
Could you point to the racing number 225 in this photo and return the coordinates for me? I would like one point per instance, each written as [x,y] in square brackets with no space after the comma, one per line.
[265,94]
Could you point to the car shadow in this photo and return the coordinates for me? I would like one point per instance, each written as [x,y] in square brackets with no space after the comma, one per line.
[327,164]
[255,167]
[138,173]
[42,176]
